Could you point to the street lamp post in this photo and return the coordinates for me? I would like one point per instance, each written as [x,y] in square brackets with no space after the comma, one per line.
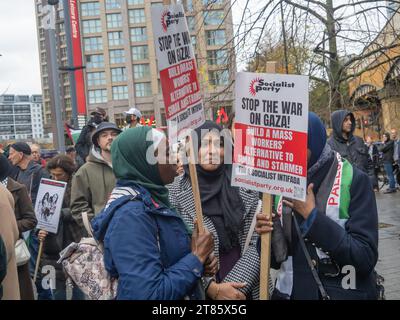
[50,32]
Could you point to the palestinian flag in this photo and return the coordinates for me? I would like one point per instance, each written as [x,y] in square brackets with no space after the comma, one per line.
[73,134]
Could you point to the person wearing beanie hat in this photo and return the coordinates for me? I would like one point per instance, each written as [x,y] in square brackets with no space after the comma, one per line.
[29,173]
[94,181]
[339,225]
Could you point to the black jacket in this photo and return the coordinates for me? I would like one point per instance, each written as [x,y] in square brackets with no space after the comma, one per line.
[353,149]
[387,149]
[355,245]
[84,142]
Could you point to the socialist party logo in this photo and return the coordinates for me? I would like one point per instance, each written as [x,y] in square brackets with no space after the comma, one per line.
[168,18]
[258,84]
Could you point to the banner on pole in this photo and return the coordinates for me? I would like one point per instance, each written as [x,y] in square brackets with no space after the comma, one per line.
[178,71]
[271,123]
[49,203]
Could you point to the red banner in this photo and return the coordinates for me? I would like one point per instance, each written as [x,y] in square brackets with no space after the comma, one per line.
[77,57]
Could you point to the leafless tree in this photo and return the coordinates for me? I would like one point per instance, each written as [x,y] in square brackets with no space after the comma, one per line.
[344,38]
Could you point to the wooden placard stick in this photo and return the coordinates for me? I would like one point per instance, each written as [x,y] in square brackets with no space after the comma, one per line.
[193,173]
[265,258]
[38,260]
[195,184]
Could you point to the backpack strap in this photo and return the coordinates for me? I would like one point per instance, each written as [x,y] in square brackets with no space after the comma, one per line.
[86,223]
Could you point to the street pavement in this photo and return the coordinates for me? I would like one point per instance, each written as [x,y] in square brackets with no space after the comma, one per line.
[389,243]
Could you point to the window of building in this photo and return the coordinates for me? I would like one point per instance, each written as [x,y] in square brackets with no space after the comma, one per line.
[142,89]
[61,27]
[157,4]
[114,20]
[188,4]
[118,74]
[217,57]
[194,42]
[216,37]
[120,92]
[93,44]
[115,38]
[135,2]
[219,77]
[97,96]
[113,4]
[140,53]
[42,45]
[62,39]
[67,90]
[141,71]
[96,78]
[117,56]
[213,17]
[90,9]
[91,26]
[191,23]
[208,3]
[95,61]
[137,16]
[138,34]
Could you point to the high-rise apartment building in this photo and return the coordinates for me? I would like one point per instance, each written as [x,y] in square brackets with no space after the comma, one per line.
[20,117]
[119,56]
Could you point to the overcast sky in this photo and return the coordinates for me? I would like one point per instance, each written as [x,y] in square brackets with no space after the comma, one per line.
[19,63]
[19,60]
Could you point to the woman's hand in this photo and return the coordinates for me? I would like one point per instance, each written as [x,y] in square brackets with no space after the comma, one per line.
[42,235]
[202,243]
[263,224]
[226,291]
[303,208]
[211,265]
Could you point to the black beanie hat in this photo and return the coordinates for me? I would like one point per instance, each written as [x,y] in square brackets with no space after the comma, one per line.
[22,147]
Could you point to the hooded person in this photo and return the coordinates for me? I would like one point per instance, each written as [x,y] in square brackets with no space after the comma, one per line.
[338,223]
[93,182]
[343,140]
[147,245]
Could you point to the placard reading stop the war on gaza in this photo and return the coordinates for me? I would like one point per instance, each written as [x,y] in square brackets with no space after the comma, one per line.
[270,153]
[178,71]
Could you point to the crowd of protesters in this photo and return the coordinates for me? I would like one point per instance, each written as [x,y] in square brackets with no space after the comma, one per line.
[143,212]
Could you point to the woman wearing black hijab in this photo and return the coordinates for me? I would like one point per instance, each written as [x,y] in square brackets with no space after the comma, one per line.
[228,212]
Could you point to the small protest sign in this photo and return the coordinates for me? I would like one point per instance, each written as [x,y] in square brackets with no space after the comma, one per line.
[49,203]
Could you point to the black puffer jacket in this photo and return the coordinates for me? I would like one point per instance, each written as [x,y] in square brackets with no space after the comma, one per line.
[387,149]
[352,149]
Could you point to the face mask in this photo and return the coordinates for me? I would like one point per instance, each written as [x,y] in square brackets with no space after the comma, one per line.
[97,119]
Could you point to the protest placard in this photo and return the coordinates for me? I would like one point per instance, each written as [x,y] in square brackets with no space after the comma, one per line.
[178,70]
[48,204]
[271,124]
